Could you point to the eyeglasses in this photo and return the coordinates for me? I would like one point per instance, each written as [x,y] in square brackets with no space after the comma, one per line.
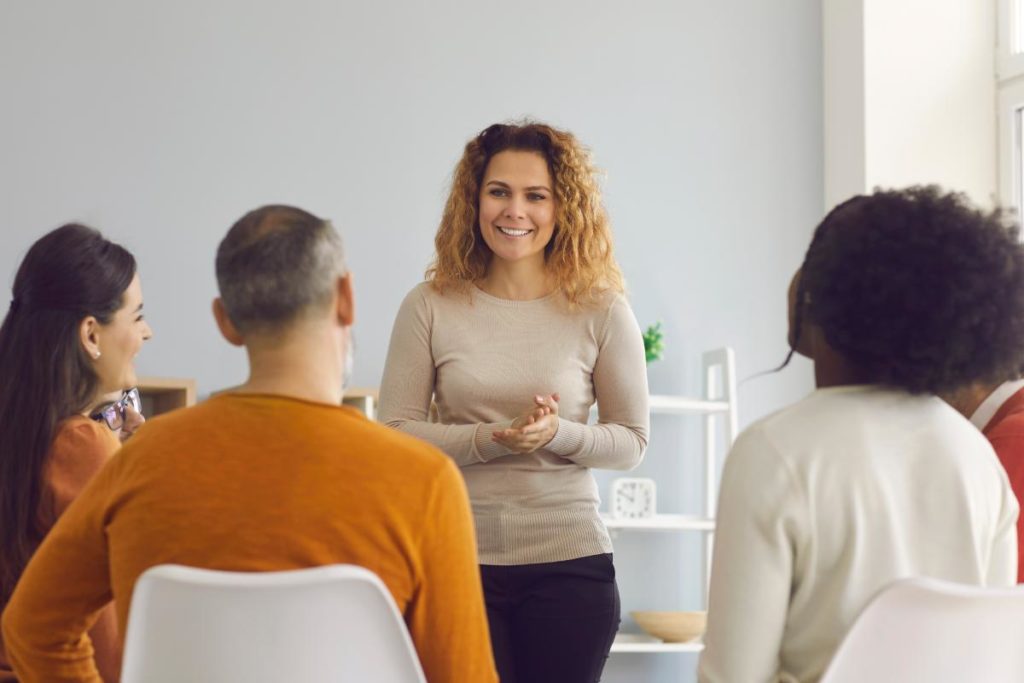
[114,413]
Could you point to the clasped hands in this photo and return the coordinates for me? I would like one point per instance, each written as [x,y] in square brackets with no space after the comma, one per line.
[533,429]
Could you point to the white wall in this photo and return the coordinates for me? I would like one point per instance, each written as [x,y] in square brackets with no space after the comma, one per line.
[844,111]
[161,123]
[930,74]
[913,84]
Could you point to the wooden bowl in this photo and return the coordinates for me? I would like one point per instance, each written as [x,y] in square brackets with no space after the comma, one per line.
[672,627]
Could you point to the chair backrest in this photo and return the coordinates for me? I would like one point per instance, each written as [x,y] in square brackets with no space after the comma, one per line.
[320,625]
[936,632]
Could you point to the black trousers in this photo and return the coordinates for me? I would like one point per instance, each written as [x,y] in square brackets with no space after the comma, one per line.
[552,622]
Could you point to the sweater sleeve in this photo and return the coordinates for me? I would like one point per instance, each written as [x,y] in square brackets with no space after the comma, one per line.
[447,619]
[408,387]
[619,439]
[60,594]
[757,534]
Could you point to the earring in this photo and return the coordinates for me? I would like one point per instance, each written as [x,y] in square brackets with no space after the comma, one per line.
[96,355]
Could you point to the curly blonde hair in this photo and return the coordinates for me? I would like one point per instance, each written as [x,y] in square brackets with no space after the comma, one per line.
[579,256]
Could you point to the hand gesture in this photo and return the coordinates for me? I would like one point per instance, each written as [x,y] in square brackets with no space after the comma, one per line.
[533,429]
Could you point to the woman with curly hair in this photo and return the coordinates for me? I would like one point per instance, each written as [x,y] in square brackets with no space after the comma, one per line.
[519,329]
[68,341]
[903,295]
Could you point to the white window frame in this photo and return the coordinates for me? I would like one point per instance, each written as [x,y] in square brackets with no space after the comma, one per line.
[1011,101]
[1009,65]
[1010,96]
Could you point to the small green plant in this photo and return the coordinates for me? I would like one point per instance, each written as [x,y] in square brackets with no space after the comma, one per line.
[654,345]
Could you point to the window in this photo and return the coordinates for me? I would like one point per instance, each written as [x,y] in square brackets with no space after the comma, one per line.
[1010,75]
[1011,144]
[1010,39]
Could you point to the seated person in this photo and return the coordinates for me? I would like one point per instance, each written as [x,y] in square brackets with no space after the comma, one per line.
[273,475]
[69,338]
[997,409]
[871,478]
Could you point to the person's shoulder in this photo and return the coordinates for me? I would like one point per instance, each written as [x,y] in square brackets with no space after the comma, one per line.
[174,420]
[762,434]
[393,453]
[79,435]
[81,427]
[426,293]
[421,290]
[604,300]
[424,298]
[1008,422]
[1010,427]
[605,307]
[80,441]
[796,427]
[392,444]
[79,450]
[169,430]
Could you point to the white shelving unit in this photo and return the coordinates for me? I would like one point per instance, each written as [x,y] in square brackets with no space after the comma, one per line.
[718,402]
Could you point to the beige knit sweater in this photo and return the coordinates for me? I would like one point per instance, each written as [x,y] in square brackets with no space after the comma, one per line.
[482,359]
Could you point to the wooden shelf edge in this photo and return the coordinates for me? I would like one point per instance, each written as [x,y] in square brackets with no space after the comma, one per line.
[156,385]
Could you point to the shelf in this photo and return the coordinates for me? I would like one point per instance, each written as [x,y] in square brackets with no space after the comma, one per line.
[681,405]
[164,394]
[638,642]
[660,523]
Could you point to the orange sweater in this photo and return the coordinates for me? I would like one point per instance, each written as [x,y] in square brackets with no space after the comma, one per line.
[80,449]
[260,483]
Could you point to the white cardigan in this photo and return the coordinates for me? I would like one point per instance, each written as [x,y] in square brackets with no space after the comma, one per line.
[829,500]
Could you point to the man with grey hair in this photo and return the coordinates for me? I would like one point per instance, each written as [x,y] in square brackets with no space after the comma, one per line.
[277,269]
[274,474]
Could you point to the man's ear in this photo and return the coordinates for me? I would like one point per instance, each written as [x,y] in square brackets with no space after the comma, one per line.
[88,336]
[345,304]
[224,324]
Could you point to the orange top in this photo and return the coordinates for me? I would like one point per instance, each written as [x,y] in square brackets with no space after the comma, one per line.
[80,449]
[260,483]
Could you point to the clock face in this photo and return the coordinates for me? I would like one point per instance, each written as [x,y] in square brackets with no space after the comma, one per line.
[633,498]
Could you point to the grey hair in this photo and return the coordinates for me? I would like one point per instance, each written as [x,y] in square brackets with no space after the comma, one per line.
[276,264]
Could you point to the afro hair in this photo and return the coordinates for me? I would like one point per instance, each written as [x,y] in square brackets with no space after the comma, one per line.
[918,289]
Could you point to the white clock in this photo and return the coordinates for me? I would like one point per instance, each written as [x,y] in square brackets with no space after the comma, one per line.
[633,498]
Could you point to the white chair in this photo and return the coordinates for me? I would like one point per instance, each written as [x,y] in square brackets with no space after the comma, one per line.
[321,625]
[929,631]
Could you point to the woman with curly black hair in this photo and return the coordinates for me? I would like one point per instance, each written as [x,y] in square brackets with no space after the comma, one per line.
[871,478]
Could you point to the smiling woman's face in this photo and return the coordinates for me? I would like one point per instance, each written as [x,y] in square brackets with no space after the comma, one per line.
[119,342]
[517,205]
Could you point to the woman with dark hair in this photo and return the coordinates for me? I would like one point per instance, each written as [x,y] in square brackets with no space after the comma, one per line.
[520,328]
[903,295]
[69,337]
